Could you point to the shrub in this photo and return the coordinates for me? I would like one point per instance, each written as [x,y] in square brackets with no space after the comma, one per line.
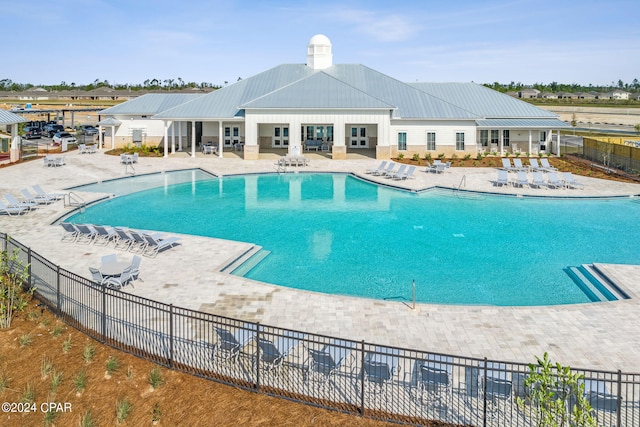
[88,353]
[400,156]
[415,157]
[427,157]
[13,274]
[80,381]
[155,378]
[441,156]
[66,344]
[123,408]
[467,157]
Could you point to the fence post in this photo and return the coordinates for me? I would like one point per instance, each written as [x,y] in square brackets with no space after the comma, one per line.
[58,301]
[257,356]
[619,401]
[484,394]
[29,269]
[171,336]
[362,378]
[104,314]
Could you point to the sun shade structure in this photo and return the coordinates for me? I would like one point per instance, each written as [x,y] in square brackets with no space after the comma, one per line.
[344,107]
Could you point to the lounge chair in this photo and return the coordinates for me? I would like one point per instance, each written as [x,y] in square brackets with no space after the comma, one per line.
[86,233]
[229,346]
[28,197]
[386,170]
[496,384]
[503,178]
[378,169]
[535,166]
[124,239]
[400,171]
[273,353]
[538,180]
[12,202]
[506,164]
[41,193]
[381,365]
[70,233]
[553,181]
[154,246]
[518,166]
[105,235]
[433,379]
[522,179]
[406,175]
[328,361]
[545,164]
[570,181]
[604,404]
[11,211]
[139,243]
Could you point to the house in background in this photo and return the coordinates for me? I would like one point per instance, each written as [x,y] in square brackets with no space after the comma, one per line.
[337,109]
[529,93]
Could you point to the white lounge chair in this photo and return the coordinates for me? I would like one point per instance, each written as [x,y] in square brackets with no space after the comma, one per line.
[71,232]
[36,199]
[518,166]
[378,169]
[386,170]
[328,361]
[229,346]
[553,180]
[105,235]
[154,246]
[538,180]
[41,193]
[503,178]
[15,203]
[545,164]
[406,175]
[86,233]
[4,209]
[124,240]
[522,179]
[506,164]
[570,181]
[400,170]
[535,166]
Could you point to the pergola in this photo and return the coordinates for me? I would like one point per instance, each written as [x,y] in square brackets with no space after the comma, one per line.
[108,122]
[7,118]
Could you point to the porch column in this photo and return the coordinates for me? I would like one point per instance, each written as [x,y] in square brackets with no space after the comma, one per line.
[100,138]
[530,145]
[193,138]
[14,154]
[179,136]
[173,137]
[339,150]
[252,140]
[113,137]
[166,138]
[220,139]
[294,137]
[501,136]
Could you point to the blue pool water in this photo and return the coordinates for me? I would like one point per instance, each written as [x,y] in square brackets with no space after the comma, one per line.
[334,233]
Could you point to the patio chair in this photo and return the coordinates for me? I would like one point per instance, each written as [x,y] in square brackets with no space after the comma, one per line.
[521,179]
[274,353]
[570,182]
[506,164]
[119,282]
[545,164]
[105,235]
[91,149]
[518,166]
[28,197]
[229,346]
[406,175]
[41,193]
[124,239]
[535,166]
[70,233]
[155,246]
[328,361]
[553,180]
[386,170]
[380,167]
[135,268]
[86,233]
[538,180]
[440,167]
[82,148]
[134,158]
[58,161]
[48,160]
[12,202]
[108,259]
[96,276]
[503,178]
[400,171]
[11,211]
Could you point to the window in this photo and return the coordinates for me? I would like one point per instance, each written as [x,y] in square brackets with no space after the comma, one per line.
[363,132]
[431,140]
[354,132]
[459,140]
[495,135]
[484,138]
[505,137]
[402,140]
[543,136]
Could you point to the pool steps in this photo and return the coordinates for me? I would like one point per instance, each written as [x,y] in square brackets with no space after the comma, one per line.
[596,285]
[247,262]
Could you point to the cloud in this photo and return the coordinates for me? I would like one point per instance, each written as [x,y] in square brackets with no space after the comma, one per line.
[378,25]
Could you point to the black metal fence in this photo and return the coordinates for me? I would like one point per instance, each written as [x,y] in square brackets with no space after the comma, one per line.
[387,383]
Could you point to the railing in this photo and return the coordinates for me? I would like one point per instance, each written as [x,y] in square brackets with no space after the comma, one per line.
[387,383]
[73,199]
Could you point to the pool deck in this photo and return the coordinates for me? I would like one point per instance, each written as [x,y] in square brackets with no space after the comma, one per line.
[596,335]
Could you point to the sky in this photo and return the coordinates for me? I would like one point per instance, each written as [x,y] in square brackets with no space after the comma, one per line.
[129,41]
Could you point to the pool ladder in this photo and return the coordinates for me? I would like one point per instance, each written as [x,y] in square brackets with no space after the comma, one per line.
[72,199]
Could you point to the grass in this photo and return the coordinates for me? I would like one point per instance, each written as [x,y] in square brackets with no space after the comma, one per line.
[50,417]
[4,382]
[57,330]
[87,420]
[66,345]
[29,395]
[155,378]
[56,380]
[46,367]
[123,408]
[80,382]
[88,353]
[112,365]
[25,340]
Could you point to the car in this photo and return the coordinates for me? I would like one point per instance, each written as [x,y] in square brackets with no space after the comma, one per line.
[31,132]
[51,129]
[89,130]
[59,137]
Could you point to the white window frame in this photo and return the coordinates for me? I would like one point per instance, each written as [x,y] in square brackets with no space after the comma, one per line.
[435,138]
[505,137]
[463,138]
[484,137]
[402,132]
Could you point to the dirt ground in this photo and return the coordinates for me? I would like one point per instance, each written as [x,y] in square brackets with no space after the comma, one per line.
[41,360]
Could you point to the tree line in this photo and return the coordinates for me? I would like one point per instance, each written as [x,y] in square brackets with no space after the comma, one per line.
[148,84]
[555,87]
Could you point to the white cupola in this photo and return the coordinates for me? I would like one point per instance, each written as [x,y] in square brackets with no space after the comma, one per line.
[319,54]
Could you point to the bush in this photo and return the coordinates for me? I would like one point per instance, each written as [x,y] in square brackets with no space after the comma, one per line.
[13,274]
[400,156]
[415,157]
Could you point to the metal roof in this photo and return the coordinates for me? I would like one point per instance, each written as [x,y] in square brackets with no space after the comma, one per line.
[150,104]
[8,118]
[482,101]
[522,123]
[109,121]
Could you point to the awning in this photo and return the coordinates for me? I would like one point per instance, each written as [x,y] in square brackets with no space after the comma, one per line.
[521,124]
[8,118]
[109,121]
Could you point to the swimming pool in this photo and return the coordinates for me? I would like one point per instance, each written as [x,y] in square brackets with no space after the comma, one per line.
[334,233]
